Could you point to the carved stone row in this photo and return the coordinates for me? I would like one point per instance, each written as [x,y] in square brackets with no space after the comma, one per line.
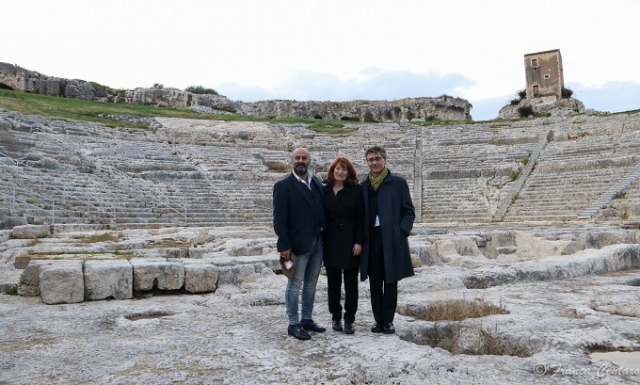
[73,281]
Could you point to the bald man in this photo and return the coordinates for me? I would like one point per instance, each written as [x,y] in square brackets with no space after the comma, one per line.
[298,221]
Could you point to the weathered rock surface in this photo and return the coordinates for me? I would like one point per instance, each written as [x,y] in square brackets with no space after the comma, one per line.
[160,275]
[402,110]
[544,105]
[20,79]
[238,335]
[419,109]
[31,231]
[200,277]
[108,279]
[61,282]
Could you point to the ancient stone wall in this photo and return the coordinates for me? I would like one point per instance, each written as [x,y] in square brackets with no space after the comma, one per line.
[20,79]
[410,109]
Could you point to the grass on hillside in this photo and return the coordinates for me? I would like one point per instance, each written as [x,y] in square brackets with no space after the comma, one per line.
[78,109]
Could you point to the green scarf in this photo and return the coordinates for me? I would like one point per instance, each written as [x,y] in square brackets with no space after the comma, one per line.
[376,182]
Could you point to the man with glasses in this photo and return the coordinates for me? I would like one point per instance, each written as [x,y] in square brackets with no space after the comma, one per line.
[385,257]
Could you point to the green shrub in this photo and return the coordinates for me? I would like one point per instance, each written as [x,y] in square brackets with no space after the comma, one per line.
[410,115]
[13,290]
[520,95]
[525,111]
[514,175]
[368,117]
[158,86]
[566,93]
[620,195]
[201,90]
[525,161]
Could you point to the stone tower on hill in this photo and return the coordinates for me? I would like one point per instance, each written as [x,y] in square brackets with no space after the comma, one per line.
[544,74]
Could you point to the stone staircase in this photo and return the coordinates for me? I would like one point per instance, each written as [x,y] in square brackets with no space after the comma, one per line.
[607,197]
[576,168]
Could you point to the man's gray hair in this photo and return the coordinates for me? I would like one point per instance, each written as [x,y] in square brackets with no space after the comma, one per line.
[375,150]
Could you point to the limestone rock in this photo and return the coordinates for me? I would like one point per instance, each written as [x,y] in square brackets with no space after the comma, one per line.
[403,110]
[469,341]
[543,105]
[20,79]
[31,231]
[530,246]
[29,284]
[108,279]
[173,97]
[21,261]
[200,277]
[159,275]
[4,235]
[61,282]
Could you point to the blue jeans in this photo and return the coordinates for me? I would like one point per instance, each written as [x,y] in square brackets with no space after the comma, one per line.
[307,272]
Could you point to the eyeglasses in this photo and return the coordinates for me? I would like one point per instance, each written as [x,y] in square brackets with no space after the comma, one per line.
[376,159]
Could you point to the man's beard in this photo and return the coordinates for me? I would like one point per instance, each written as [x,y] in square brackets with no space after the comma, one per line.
[300,169]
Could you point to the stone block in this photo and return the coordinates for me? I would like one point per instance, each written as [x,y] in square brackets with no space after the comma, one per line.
[533,247]
[61,282]
[200,278]
[21,261]
[228,275]
[249,272]
[31,231]
[176,252]
[108,279]
[159,275]
[29,283]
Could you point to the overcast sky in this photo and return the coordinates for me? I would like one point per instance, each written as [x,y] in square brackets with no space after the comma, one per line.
[334,50]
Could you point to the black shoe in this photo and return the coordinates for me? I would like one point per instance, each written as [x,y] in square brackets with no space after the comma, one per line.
[337,326]
[298,332]
[348,327]
[388,328]
[311,326]
[377,328]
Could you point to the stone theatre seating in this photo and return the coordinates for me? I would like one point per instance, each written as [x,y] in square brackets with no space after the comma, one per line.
[189,172]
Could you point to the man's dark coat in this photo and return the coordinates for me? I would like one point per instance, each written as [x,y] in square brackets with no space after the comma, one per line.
[298,214]
[396,213]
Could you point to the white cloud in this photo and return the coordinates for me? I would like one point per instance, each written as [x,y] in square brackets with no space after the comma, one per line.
[330,49]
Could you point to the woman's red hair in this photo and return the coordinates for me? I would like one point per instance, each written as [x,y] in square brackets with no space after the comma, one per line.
[352,175]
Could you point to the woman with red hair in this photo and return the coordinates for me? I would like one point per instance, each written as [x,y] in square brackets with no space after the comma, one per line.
[343,240]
